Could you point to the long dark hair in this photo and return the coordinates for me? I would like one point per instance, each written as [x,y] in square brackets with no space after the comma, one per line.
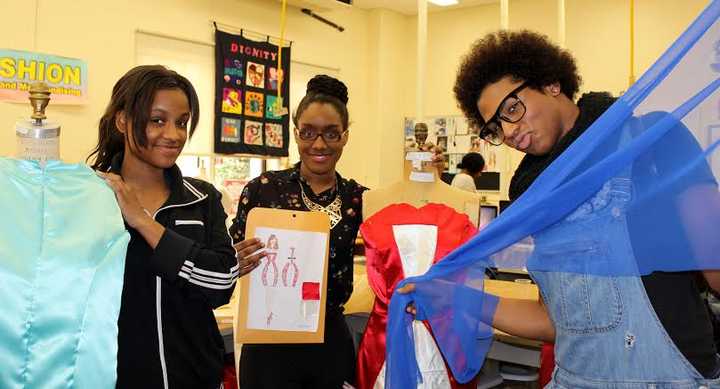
[133,94]
[327,90]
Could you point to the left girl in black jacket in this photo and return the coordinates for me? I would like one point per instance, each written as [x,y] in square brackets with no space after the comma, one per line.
[180,263]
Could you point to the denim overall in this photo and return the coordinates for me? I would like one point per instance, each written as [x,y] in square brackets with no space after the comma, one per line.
[607,332]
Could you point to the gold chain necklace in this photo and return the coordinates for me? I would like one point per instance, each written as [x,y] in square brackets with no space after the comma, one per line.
[333,210]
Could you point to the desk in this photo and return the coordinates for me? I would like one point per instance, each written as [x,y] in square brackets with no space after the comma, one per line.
[515,290]
[224,318]
[509,348]
[512,271]
[362,298]
[506,347]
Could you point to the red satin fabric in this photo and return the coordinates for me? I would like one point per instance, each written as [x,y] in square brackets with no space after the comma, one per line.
[384,270]
[547,364]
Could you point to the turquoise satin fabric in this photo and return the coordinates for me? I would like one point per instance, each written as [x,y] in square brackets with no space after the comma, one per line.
[62,259]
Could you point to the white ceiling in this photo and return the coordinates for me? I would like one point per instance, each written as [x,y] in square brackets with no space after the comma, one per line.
[409,7]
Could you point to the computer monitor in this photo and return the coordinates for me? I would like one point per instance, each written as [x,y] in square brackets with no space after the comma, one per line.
[487,214]
[488,182]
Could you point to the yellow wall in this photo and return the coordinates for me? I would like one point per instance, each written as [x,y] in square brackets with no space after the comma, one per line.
[103,33]
[375,54]
[661,23]
[388,79]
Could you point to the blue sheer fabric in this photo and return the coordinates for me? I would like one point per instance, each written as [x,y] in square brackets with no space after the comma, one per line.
[648,166]
[62,259]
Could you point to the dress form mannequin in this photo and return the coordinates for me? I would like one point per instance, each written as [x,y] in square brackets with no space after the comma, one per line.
[62,258]
[37,138]
[420,235]
[419,193]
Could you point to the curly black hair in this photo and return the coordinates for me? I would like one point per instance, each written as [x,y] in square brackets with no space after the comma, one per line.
[325,89]
[523,55]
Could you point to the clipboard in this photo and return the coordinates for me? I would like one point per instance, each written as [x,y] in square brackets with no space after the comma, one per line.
[282,277]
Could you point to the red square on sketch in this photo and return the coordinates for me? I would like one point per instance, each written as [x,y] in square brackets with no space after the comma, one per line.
[311,291]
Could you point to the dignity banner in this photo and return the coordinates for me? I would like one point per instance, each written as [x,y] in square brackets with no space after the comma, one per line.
[251,117]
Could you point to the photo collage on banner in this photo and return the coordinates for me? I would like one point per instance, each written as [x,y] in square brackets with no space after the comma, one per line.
[248,116]
[456,138]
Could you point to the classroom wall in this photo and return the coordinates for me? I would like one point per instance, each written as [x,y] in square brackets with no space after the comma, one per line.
[103,33]
[376,55]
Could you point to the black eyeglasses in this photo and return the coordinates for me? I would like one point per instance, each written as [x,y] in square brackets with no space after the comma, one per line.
[328,136]
[511,110]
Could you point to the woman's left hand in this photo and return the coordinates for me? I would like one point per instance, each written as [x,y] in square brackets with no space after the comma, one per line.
[133,213]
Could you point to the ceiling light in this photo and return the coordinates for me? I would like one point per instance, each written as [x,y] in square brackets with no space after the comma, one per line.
[443,3]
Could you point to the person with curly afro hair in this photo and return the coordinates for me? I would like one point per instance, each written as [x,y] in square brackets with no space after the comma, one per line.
[519,88]
[526,67]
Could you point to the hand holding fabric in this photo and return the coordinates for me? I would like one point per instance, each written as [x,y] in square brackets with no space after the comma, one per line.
[133,212]
[463,339]
[135,215]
